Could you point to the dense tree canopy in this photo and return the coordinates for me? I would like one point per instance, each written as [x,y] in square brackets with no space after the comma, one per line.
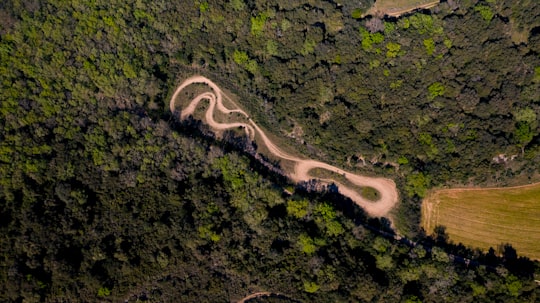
[105,196]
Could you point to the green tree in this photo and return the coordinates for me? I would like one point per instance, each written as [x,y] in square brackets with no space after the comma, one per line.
[524,134]
[325,211]
[536,74]
[257,24]
[298,209]
[204,6]
[307,245]
[237,5]
[271,47]
[243,59]
[393,49]
[413,299]
[369,39]
[514,285]
[311,287]
[104,292]
[308,47]
[334,228]
[417,184]
[435,89]
[384,262]
[439,255]
[381,245]
[527,115]
[423,24]
[357,13]
[478,290]
[485,11]
[429,44]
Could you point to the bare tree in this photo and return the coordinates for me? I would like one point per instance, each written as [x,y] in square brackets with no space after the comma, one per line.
[375,25]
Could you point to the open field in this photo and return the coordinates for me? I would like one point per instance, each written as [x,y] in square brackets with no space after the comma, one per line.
[396,8]
[487,217]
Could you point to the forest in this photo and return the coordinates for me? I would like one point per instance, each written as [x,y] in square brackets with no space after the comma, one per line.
[105,196]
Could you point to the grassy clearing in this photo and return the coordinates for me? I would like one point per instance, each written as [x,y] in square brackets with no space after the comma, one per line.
[190,92]
[366,192]
[396,8]
[488,217]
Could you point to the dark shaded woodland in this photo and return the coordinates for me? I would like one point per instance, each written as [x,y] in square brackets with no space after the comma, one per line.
[105,196]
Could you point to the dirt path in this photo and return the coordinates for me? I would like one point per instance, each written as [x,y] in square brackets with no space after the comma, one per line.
[255,295]
[398,8]
[386,187]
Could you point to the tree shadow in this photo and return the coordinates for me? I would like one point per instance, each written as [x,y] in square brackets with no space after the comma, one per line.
[518,266]
[504,255]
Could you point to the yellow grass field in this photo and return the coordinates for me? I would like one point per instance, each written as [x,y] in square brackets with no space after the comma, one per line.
[396,8]
[487,217]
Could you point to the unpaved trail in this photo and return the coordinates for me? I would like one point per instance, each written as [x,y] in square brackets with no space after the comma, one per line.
[255,295]
[386,187]
[393,9]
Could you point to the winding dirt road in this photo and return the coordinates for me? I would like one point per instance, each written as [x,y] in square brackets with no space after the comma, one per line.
[302,167]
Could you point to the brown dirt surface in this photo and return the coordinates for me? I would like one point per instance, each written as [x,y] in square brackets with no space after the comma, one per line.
[302,167]
[396,8]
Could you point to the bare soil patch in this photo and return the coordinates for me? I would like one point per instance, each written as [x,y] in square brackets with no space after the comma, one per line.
[301,168]
[396,8]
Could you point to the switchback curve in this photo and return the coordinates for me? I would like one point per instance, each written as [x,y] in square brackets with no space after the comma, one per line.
[302,167]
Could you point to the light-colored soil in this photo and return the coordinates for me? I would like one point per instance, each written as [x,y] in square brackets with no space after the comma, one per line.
[396,8]
[302,167]
[255,295]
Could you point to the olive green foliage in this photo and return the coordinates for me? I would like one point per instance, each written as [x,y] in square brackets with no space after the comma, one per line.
[242,59]
[485,11]
[307,244]
[393,49]
[389,28]
[402,160]
[257,24]
[203,7]
[237,5]
[384,262]
[311,287]
[357,13]
[537,73]
[298,209]
[272,47]
[526,126]
[527,115]
[369,39]
[104,292]
[447,43]
[417,184]
[435,90]
[423,24]
[326,217]
[514,285]
[413,299]
[524,133]
[430,46]
[308,47]
[105,196]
